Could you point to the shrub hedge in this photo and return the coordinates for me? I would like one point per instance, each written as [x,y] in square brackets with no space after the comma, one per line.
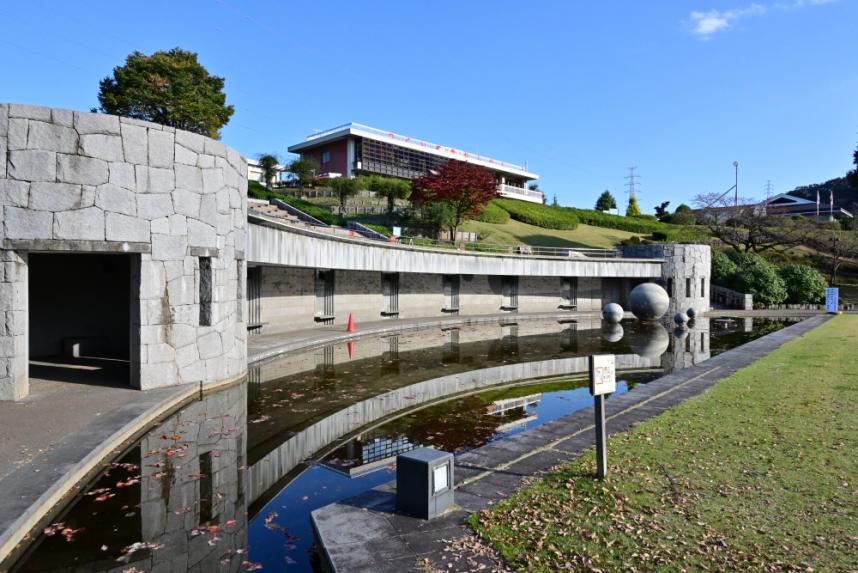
[542,216]
[752,274]
[494,214]
[608,221]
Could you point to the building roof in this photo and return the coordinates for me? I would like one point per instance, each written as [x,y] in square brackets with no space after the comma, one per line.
[357,130]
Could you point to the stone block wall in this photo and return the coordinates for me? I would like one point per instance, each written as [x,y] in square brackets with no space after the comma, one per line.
[687,272]
[80,182]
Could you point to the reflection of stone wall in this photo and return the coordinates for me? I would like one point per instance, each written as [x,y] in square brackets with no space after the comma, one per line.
[412,340]
[688,346]
[176,499]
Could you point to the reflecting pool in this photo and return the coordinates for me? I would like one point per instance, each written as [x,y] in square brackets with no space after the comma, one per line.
[229,480]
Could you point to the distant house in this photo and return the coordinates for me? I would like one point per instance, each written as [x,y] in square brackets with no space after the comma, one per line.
[791,205]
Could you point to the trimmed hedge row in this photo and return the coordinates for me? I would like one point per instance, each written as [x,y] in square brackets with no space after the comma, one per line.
[608,221]
[494,214]
[539,215]
[256,190]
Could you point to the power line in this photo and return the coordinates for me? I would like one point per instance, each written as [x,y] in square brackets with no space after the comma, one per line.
[49,57]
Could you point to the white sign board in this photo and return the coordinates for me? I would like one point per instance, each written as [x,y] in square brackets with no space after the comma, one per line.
[602,375]
[440,478]
[831,296]
[397,231]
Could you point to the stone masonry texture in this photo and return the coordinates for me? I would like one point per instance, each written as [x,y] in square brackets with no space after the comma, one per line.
[81,182]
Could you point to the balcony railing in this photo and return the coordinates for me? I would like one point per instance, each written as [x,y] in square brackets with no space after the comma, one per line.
[461,155]
[509,189]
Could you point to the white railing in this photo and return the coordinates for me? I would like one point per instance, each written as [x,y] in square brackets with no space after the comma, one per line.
[519,191]
[418,143]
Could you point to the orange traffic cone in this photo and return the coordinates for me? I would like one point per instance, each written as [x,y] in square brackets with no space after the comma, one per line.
[351,327]
[351,350]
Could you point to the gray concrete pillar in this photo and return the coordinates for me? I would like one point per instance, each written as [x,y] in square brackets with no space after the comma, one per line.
[14,342]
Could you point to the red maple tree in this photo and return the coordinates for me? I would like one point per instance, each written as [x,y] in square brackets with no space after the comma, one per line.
[464,187]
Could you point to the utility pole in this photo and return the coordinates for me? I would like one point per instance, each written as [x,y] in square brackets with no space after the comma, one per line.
[631,183]
[769,190]
[736,165]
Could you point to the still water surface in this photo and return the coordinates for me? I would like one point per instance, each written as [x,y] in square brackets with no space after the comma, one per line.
[228,482]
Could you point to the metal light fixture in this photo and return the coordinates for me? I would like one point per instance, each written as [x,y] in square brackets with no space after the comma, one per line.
[736,165]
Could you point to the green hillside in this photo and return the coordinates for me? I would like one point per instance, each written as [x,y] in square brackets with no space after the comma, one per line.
[518,233]
[844,194]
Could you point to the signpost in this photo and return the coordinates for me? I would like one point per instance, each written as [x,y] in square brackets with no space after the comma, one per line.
[831,300]
[602,381]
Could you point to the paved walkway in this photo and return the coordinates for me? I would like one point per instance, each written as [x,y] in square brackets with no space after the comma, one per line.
[365,534]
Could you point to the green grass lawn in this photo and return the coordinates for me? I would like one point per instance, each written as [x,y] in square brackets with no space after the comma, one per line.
[763,476]
[517,233]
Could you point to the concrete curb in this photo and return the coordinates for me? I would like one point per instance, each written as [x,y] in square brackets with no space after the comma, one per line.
[33,492]
[357,534]
[316,339]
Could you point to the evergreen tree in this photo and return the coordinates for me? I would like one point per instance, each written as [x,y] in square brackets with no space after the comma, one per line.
[606,202]
[633,209]
[555,203]
[171,88]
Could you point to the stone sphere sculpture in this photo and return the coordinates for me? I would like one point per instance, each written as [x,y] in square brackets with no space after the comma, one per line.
[680,320]
[648,301]
[612,313]
[691,313]
[613,332]
[649,339]
[680,334]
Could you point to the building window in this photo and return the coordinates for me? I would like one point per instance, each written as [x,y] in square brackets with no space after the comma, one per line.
[688,293]
[703,288]
[326,157]
[670,287]
[206,291]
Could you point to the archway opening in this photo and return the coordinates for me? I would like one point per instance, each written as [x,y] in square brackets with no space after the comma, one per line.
[79,320]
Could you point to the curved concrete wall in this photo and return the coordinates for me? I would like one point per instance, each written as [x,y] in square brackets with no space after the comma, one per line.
[274,243]
[82,182]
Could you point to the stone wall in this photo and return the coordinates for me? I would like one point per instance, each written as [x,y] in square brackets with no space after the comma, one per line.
[82,182]
[288,299]
[685,275]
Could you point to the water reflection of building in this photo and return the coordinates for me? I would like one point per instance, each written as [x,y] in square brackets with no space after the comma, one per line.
[500,407]
[367,453]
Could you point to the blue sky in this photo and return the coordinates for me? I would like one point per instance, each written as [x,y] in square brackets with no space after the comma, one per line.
[580,90]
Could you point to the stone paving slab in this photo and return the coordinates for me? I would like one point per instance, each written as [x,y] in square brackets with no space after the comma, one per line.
[491,473]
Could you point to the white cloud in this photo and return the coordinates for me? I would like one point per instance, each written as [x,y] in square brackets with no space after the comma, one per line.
[705,24]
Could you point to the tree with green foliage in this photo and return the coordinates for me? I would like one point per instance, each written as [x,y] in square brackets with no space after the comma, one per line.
[804,284]
[606,202]
[633,210]
[391,189]
[269,163]
[723,269]
[661,211]
[757,276]
[303,168]
[852,176]
[344,188]
[554,203]
[682,208]
[442,215]
[171,88]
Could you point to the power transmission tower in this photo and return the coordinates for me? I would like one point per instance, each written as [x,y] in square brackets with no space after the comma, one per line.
[631,183]
[769,190]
